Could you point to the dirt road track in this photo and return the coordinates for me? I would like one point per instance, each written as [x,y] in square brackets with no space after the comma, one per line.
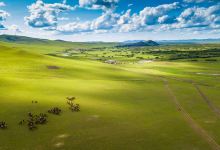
[214,108]
[193,124]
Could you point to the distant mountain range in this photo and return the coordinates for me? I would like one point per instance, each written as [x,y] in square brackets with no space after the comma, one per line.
[20,39]
[25,40]
[29,40]
[138,43]
[187,41]
[133,41]
[130,43]
[190,41]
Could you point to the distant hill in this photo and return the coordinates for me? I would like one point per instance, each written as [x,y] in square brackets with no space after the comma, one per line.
[138,43]
[47,46]
[20,39]
[133,41]
[130,43]
[190,41]
[27,40]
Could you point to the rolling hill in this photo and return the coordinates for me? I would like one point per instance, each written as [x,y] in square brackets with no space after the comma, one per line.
[138,43]
[161,105]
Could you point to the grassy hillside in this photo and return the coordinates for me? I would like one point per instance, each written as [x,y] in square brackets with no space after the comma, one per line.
[44,46]
[156,105]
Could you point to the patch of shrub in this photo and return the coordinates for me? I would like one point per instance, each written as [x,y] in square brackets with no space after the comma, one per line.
[211,60]
[194,59]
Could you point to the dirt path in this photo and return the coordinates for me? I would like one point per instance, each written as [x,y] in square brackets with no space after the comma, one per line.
[207,100]
[193,124]
[214,108]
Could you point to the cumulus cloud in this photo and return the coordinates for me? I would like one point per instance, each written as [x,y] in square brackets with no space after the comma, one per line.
[196,19]
[2,4]
[199,17]
[111,21]
[125,18]
[106,21]
[45,15]
[74,27]
[14,28]
[163,17]
[3,16]
[149,16]
[98,4]
[63,18]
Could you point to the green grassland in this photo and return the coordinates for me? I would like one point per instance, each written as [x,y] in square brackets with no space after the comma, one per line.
[146,101]
[206,52]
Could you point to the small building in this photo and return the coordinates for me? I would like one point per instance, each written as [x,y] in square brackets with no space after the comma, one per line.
[111,61]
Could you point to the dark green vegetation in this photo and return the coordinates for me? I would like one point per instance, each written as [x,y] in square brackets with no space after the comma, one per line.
[208,52]
[138,44]
[144,101]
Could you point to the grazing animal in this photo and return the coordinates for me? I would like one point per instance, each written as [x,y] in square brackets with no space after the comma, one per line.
[41,118]
[35,120]
[30,114]
[21,122]
[55,111]
[3,125]
[34,102]
[71,98]
[73,107]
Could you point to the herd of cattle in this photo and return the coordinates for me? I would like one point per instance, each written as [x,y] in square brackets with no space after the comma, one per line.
[33,120]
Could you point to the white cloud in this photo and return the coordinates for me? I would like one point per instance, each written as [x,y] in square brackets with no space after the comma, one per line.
[3,16]
[196,19]
[63,18]
[153,19]
[110,21]
[163,19]
[74,27]
[98,4]
[125,18]
[45,15]
[105,22]
[14,28]
[149,16]
[199,17]
[129,5]
[2,4]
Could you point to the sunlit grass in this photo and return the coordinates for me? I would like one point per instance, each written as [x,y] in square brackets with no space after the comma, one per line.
[124,106]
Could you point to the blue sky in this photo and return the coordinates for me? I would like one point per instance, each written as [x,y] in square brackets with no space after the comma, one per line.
[111,20]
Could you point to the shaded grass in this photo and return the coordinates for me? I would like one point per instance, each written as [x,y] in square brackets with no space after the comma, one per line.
[123,106]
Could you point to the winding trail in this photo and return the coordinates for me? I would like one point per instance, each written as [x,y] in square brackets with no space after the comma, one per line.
[214,108]
[193,124]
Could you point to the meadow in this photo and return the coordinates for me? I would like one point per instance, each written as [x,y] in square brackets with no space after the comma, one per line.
[157,98]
